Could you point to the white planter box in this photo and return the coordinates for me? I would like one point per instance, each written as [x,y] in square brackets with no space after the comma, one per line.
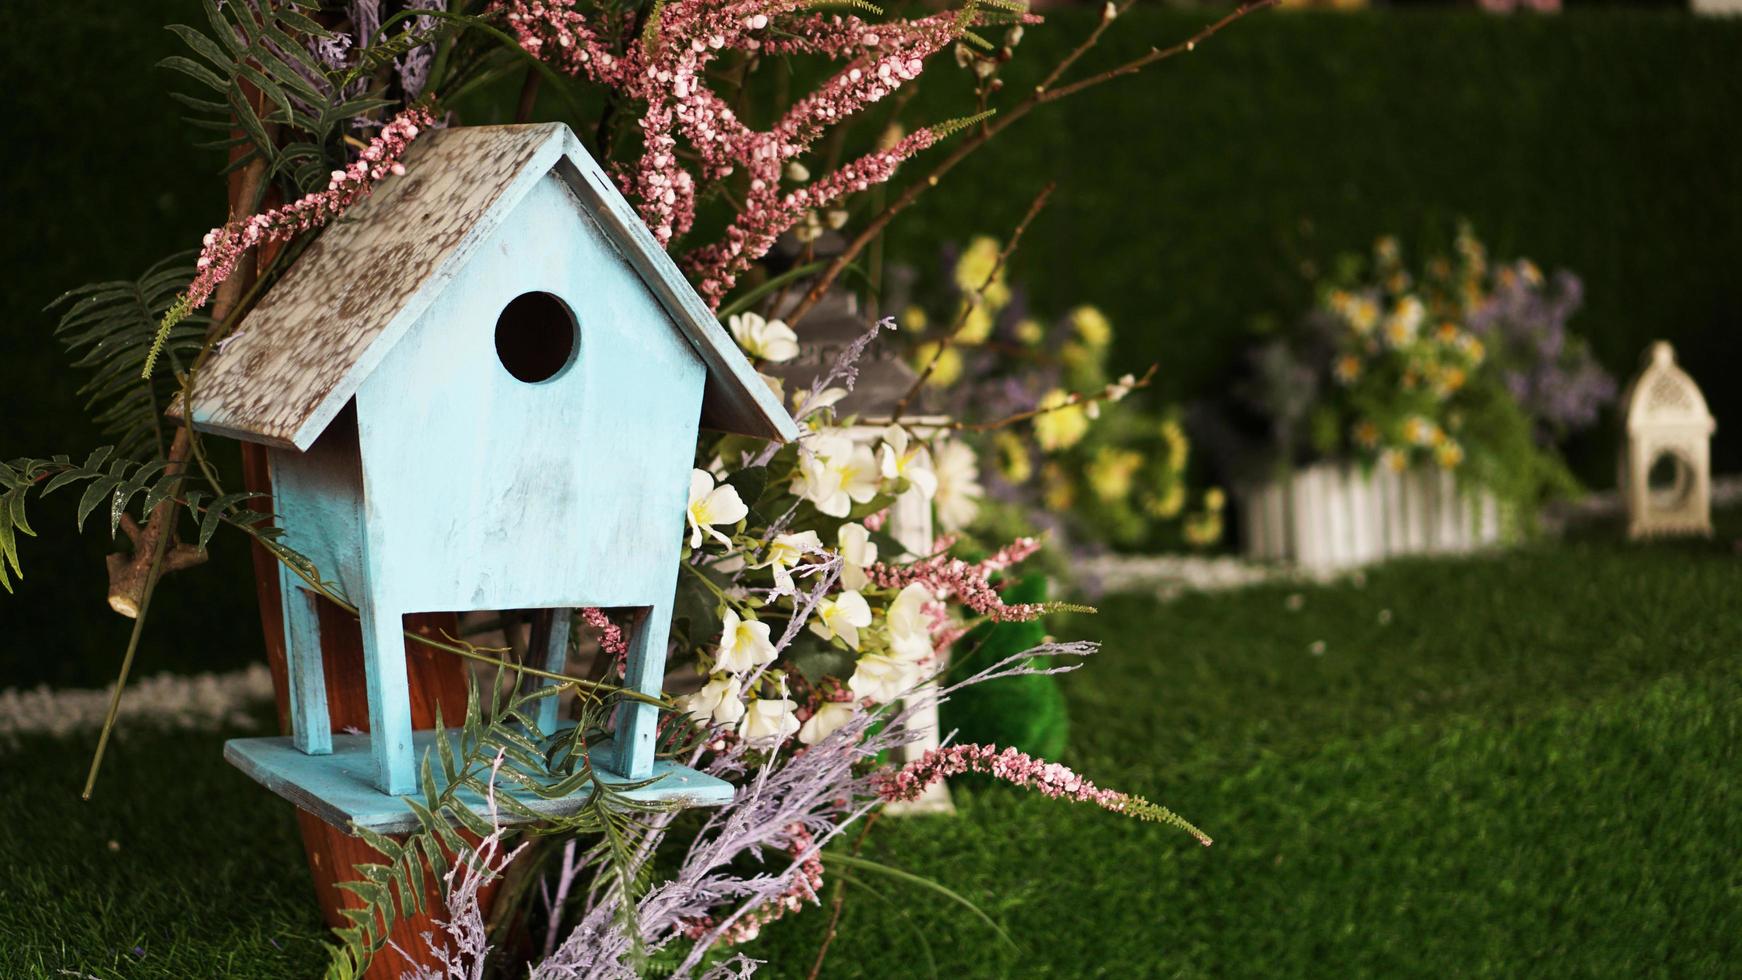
[1331,516]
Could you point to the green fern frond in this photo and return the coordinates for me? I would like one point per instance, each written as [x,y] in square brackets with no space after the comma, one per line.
[951,127]
[108,328]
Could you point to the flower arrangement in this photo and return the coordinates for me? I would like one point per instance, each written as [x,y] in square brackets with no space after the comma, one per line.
[812,631]
[1463,365]
[1092,466]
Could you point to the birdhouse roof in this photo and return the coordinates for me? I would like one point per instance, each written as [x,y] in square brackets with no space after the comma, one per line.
[1663,394]
[301,354]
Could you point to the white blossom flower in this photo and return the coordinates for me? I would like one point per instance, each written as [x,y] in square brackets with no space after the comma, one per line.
[842,616]
[769,719]
[744,644]
[1116,391]
[770,340]
[909,626]
[829,716]
[785,551]
[912,464]
[959,491]
[717,702]
[710,506]
[857,552]
[803,403]
[835,474]
[883,678]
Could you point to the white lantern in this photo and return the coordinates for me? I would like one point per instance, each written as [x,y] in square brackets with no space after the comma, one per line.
[1665,466]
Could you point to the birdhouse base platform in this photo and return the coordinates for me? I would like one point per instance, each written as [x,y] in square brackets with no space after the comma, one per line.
[340,788]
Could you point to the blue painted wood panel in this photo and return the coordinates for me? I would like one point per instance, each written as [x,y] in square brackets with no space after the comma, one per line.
[339,788]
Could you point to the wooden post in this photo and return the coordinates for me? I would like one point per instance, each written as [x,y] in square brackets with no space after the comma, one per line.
[436,679]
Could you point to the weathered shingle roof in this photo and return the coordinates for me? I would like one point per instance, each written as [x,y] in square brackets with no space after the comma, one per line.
[301,353]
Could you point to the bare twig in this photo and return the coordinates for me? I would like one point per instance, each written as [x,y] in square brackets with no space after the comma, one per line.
[949,338]
[1075,399]
[1043,93]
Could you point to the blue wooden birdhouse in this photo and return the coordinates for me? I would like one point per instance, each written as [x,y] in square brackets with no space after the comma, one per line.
[480,390]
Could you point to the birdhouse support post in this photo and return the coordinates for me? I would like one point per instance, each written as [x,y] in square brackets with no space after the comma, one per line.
[551,631]
[638,721]
[389,700]
[310,723]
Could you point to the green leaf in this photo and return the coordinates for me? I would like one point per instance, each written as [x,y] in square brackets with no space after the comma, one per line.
[864,864]
[94,495]
[755,293]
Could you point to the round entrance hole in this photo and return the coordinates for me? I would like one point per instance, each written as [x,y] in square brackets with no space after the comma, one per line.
[536,337]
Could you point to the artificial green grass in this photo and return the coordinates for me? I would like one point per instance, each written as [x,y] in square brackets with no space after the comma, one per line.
[1529,769]
[178,867]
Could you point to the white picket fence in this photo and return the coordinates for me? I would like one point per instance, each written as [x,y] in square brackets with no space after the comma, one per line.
[1330,516]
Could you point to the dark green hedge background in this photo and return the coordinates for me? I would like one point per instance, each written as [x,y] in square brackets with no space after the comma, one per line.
[1603,142]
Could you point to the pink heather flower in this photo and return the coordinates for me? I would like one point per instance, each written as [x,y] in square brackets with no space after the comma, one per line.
[803,888]
[1018,769]
[611,638]
[224,247]
[965,581]
[667,73]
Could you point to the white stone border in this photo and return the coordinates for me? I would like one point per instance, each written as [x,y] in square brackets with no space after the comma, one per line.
[173,702]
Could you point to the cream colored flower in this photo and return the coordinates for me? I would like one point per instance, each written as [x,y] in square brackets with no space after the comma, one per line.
[906,459]
[857,552]
[744,644]
[711,506]
[909,626]
[883,678]
[803,403]
[1061,424]
[770,340]
[958,494]
[717,702]
[835,474]
[842,617]
[785,551]
[1117,391]
[829,716]
[1404,322]
[769,719]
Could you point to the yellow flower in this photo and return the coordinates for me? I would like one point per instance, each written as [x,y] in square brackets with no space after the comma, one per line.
[1404,321]
[1215,498]
[914,319]
[948,368]
[1178,447]
[1059,495]
[1092,325]
[1061,424]
[1419,431]
[976,264]
[1448,333]
[1030,331]
[1449,454]
[1013,458]
[1112,471]
[1348,368]
[976,326]
[1366,435]
[1473,348]
[1363,314]
[1450,380]
[1170,503]
[1393,460]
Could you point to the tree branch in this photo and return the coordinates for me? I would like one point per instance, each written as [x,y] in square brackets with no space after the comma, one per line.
[1042,94]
